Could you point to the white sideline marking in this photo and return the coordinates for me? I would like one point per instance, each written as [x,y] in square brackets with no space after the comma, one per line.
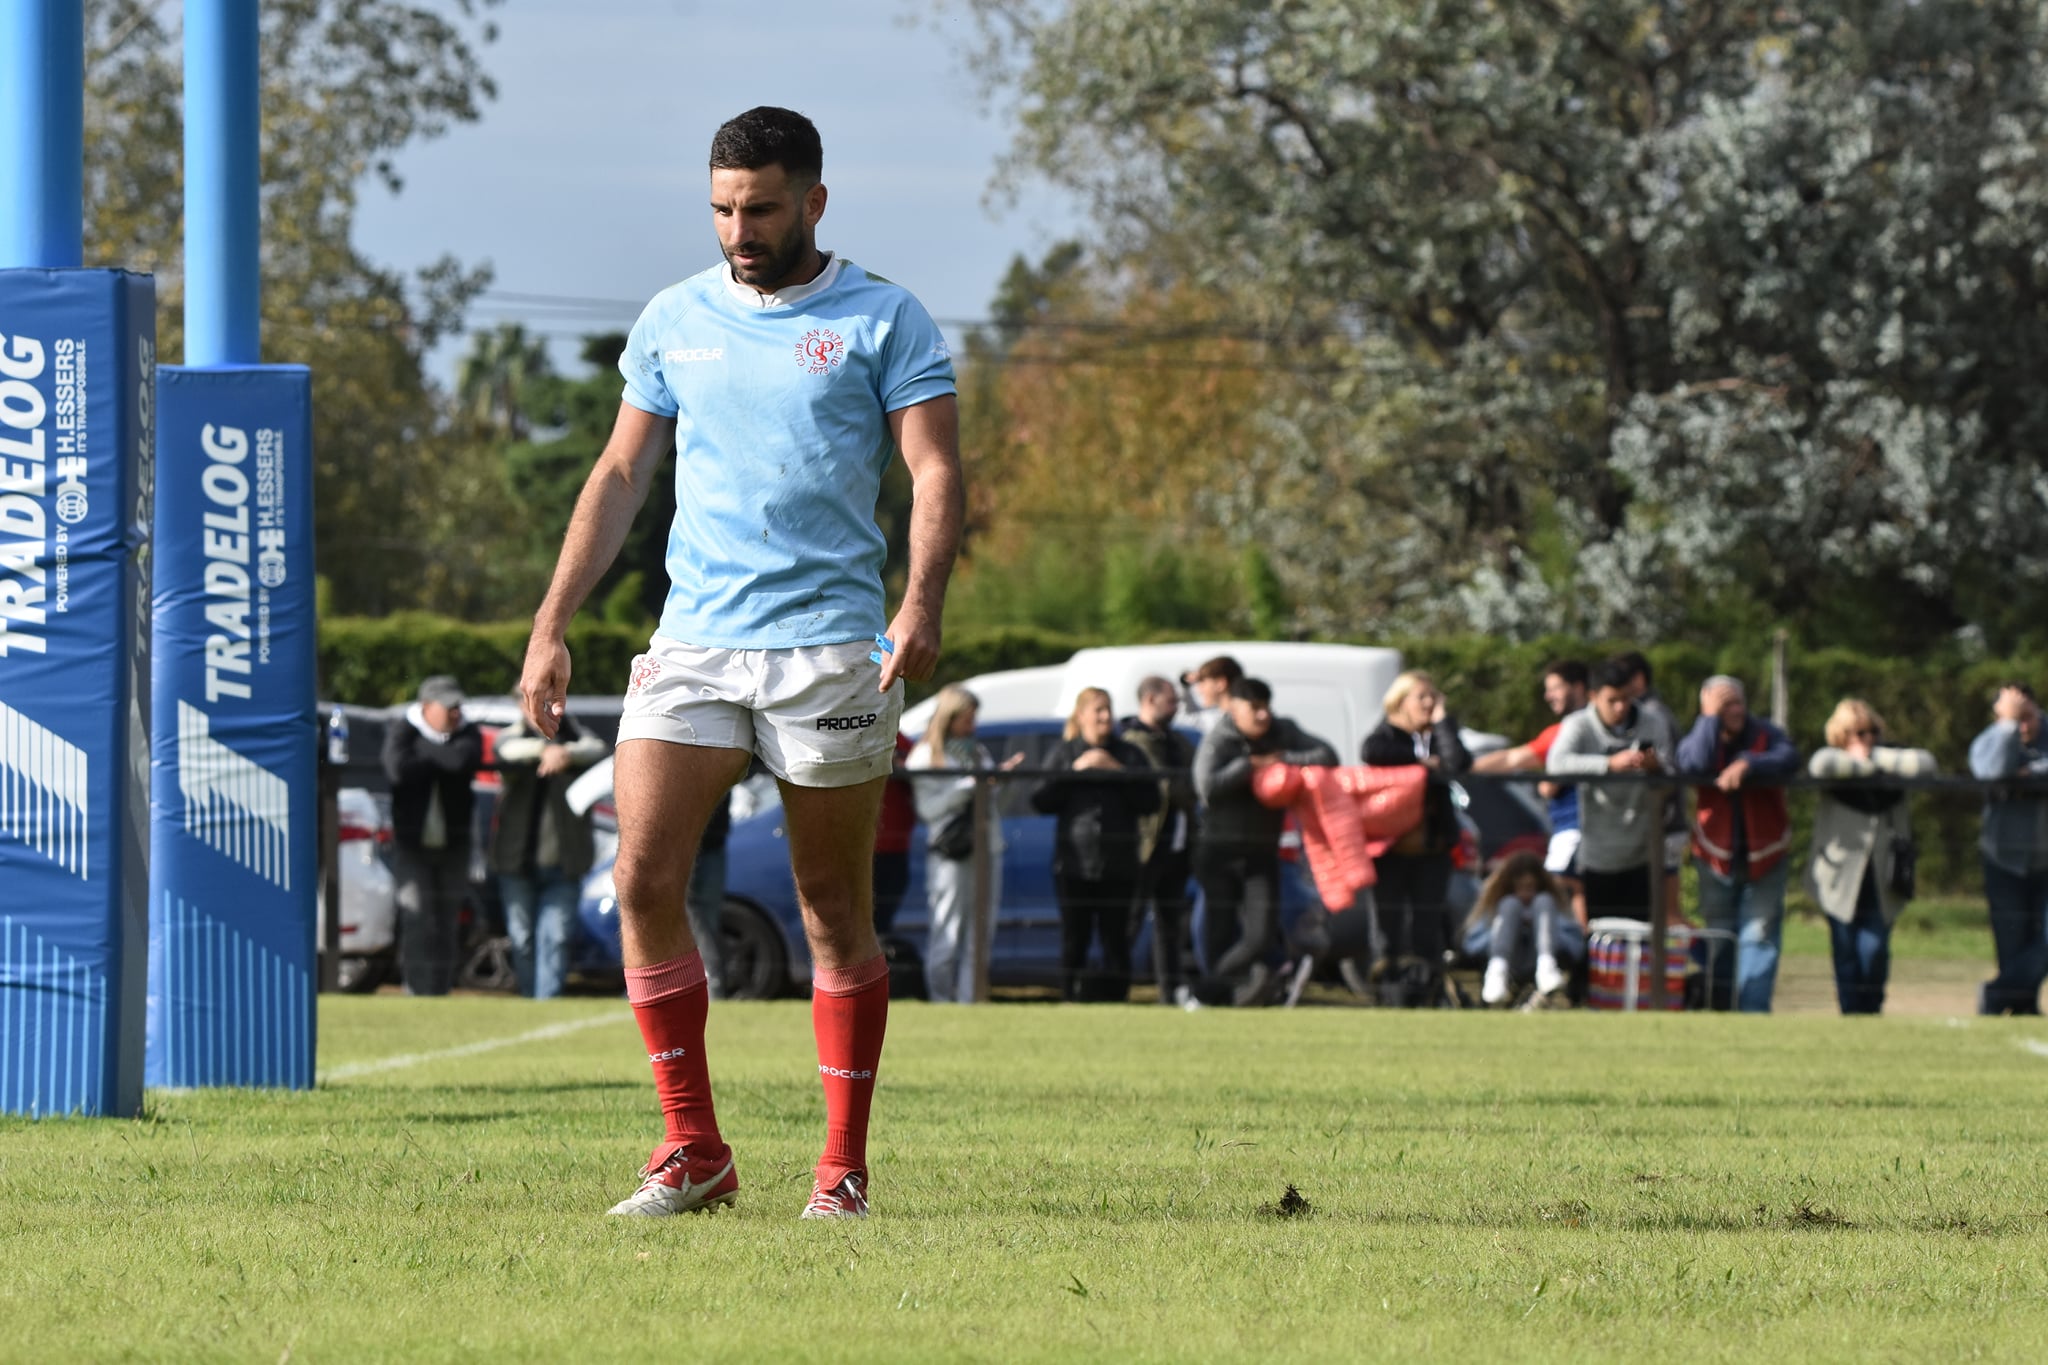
[351,1070]
[2035,1046]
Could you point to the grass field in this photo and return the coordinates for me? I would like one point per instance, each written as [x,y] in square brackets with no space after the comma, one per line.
[1063,1182]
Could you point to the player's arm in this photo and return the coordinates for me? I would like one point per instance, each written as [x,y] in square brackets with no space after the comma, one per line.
[928,434]
[613,494]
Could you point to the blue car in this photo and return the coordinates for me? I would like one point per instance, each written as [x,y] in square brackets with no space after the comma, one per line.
[762,932]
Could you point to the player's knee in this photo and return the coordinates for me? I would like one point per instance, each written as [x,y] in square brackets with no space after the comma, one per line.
[648,885]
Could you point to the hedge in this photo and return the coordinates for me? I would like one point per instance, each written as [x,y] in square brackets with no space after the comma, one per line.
[379,662]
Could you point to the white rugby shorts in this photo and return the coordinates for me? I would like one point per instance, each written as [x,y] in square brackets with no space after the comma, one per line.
[815,716]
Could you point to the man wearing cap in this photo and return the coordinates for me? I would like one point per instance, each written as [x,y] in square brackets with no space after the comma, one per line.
[430,755]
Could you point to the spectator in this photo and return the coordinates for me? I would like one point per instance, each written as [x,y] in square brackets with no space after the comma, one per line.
[2015,849]
[1166,838]
[1741,833]
[1237,860]
[1519,926]
[430,755]
[892,845]
[1614,735]
[1862,866]
[1415,874]
[1095,859]
[704,898]
[541,848]
[1642,690]
[1209,687]
[951,845]
[1564,691]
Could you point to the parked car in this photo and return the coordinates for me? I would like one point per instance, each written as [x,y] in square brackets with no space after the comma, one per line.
[765,953]
[369,904]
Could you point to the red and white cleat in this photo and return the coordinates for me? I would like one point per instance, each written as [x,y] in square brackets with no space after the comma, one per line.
[671,1187]
[847,1199]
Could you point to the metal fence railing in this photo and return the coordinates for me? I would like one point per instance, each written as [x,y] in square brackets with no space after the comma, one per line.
[1947,815]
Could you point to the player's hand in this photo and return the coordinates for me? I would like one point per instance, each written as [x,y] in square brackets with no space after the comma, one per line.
[544,683]
[915,637]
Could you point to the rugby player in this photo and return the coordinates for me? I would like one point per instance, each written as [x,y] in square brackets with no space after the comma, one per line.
[784,377]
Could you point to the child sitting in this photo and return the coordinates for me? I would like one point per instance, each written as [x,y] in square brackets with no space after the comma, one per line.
[1519,917]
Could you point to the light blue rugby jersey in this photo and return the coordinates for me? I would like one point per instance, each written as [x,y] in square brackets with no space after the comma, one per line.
[782,436]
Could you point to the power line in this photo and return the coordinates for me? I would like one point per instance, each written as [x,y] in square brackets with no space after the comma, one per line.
[508,300]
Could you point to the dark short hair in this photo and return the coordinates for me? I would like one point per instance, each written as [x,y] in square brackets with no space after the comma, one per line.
[769,136]
[1637,663]
[1253,690]
[1156,686]
[1222,666]
[1571,670]
[1614,672]
[2019,687]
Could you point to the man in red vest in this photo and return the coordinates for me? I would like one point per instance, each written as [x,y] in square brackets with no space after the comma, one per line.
[1740,836]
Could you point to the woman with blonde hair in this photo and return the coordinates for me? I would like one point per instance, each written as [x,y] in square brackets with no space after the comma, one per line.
[1861,871]
[1413,894]
[1095,845]
[947,809]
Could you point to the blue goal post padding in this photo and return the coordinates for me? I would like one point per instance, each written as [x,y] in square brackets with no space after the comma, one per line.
[235,817]
[77,381]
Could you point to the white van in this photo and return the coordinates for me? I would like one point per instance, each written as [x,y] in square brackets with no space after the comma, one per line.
[1332,691]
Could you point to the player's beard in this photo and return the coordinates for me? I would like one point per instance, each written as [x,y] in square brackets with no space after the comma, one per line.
[775,268]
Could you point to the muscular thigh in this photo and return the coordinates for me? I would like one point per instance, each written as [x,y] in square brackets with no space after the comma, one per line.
[665,794]
[831,854]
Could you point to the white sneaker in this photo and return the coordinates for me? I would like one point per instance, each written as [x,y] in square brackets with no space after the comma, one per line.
[669,1189]
[847,1199]
[1495,990]
[1550,977]
[1185,998]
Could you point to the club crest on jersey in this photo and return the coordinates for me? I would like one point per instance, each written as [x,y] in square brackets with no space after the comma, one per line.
[820,350]
[646,669]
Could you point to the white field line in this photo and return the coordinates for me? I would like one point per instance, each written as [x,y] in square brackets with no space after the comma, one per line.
[2035,1046]
[350,1070]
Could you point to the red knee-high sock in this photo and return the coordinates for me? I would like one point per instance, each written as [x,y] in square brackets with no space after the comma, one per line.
[849,1015]
[670,1001]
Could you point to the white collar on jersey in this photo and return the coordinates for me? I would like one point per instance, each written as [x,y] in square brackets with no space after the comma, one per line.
[795,293]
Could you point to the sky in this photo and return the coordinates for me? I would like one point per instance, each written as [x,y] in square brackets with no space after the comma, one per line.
[585,178]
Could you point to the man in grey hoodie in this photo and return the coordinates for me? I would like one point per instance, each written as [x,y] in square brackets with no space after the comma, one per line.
[1238,858]
[1614,734]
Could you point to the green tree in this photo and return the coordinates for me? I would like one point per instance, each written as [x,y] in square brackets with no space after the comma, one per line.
[407,503]
[1631,315]
[572,418]
[493,379]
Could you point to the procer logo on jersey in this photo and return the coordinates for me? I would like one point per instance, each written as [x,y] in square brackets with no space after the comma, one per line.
[688,354]
[848,722]
[845,1075]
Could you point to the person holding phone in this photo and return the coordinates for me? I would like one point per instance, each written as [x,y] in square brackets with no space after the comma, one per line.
[1614,734]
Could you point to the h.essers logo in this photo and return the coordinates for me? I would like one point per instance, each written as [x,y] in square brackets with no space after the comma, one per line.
[848,722]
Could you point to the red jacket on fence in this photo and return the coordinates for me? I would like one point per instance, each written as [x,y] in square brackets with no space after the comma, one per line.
[1347,816]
